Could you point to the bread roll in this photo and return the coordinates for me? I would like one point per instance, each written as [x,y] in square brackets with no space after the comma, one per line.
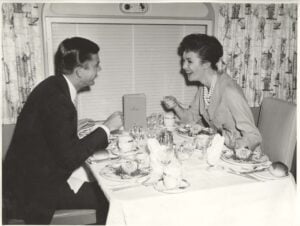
[279,169]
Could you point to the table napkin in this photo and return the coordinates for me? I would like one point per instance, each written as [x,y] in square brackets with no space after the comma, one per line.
[155,164]
[215,150]
[78,177]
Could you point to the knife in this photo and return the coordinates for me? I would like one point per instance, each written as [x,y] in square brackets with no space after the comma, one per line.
[125,187]
[253,171]
[243,175]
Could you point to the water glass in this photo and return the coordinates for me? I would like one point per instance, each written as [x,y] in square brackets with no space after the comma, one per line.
[139,136]
[169,120]
[165,139]
[125,143]
[184,151]
[167,154]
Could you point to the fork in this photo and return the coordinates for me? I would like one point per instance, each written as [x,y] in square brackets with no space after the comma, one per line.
[243,175]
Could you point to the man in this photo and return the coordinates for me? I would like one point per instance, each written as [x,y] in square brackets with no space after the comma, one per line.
[45,148]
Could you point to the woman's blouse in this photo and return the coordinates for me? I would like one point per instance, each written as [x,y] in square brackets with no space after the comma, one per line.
[228,111]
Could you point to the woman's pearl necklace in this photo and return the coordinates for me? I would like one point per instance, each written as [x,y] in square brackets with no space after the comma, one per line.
[207,94]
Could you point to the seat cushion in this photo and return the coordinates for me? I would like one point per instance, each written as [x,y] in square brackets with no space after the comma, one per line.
[76,216]
[277,124]
[255,112]
[70,217]
[7,133]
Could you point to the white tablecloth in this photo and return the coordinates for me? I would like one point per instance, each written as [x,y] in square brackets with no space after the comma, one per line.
[215,198]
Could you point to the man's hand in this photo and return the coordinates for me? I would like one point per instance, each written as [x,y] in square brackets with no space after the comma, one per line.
[114,121]
[84,123]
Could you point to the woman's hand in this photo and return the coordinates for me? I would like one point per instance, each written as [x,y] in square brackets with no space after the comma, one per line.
[241,143]
[170,102]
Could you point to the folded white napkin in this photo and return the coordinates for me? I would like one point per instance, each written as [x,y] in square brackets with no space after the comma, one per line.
[78,177]
[155,164]
[215,150]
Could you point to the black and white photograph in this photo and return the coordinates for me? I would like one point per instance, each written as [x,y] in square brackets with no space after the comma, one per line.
[168,113]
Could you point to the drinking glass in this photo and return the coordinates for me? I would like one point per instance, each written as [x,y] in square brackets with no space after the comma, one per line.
[184,151]
[125,143]
[139,135]
[166,141]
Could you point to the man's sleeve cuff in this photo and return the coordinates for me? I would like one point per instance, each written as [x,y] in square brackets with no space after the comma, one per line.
[106,129]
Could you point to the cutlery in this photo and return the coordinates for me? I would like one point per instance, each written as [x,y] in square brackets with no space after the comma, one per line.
[91,161]
[253,171]
[125,187]
[243,175]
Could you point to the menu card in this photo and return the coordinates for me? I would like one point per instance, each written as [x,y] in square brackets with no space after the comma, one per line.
[134,109]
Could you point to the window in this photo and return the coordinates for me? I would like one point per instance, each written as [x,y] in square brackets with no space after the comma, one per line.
[135,57]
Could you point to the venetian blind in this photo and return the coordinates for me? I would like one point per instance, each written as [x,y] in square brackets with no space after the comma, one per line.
[135,58]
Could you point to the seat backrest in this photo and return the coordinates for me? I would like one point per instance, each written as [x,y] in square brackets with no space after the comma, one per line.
[255,112]
[277,124]
[7,133]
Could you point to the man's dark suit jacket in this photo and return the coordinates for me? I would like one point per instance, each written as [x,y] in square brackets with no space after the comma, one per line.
[45,150]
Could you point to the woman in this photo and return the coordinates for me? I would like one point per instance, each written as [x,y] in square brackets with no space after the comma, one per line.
[219,102]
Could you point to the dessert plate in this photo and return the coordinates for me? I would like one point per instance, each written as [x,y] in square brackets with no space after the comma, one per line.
[249,163]
[159,186]
[184,135]
[114,172]
[266,175]
[185,132]
[116,151]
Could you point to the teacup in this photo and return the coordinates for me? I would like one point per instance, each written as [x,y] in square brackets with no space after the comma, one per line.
[125,143]
[170,182]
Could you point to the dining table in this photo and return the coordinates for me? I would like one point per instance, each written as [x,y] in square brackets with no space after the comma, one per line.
[214,196]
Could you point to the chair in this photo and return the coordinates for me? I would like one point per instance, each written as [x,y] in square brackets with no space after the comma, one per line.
[70,217]
[277,124]
[255,113]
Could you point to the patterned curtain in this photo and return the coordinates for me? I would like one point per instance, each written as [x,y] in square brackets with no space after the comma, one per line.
[260,48]
[22,56]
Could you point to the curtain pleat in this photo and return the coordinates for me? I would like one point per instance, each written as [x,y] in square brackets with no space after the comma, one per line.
[22,56]
[260,49]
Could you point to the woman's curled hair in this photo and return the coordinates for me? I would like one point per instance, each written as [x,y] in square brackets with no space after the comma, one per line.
[209,49]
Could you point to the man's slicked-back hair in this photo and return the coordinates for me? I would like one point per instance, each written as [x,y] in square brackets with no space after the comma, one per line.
[73,52]
[208,48]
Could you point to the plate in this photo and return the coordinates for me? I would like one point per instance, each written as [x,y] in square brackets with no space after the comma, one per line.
[170,128]
[183,135]
[113,172]
[244,162]
[184,184]
[184,132]
[266,175]
[116,151]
